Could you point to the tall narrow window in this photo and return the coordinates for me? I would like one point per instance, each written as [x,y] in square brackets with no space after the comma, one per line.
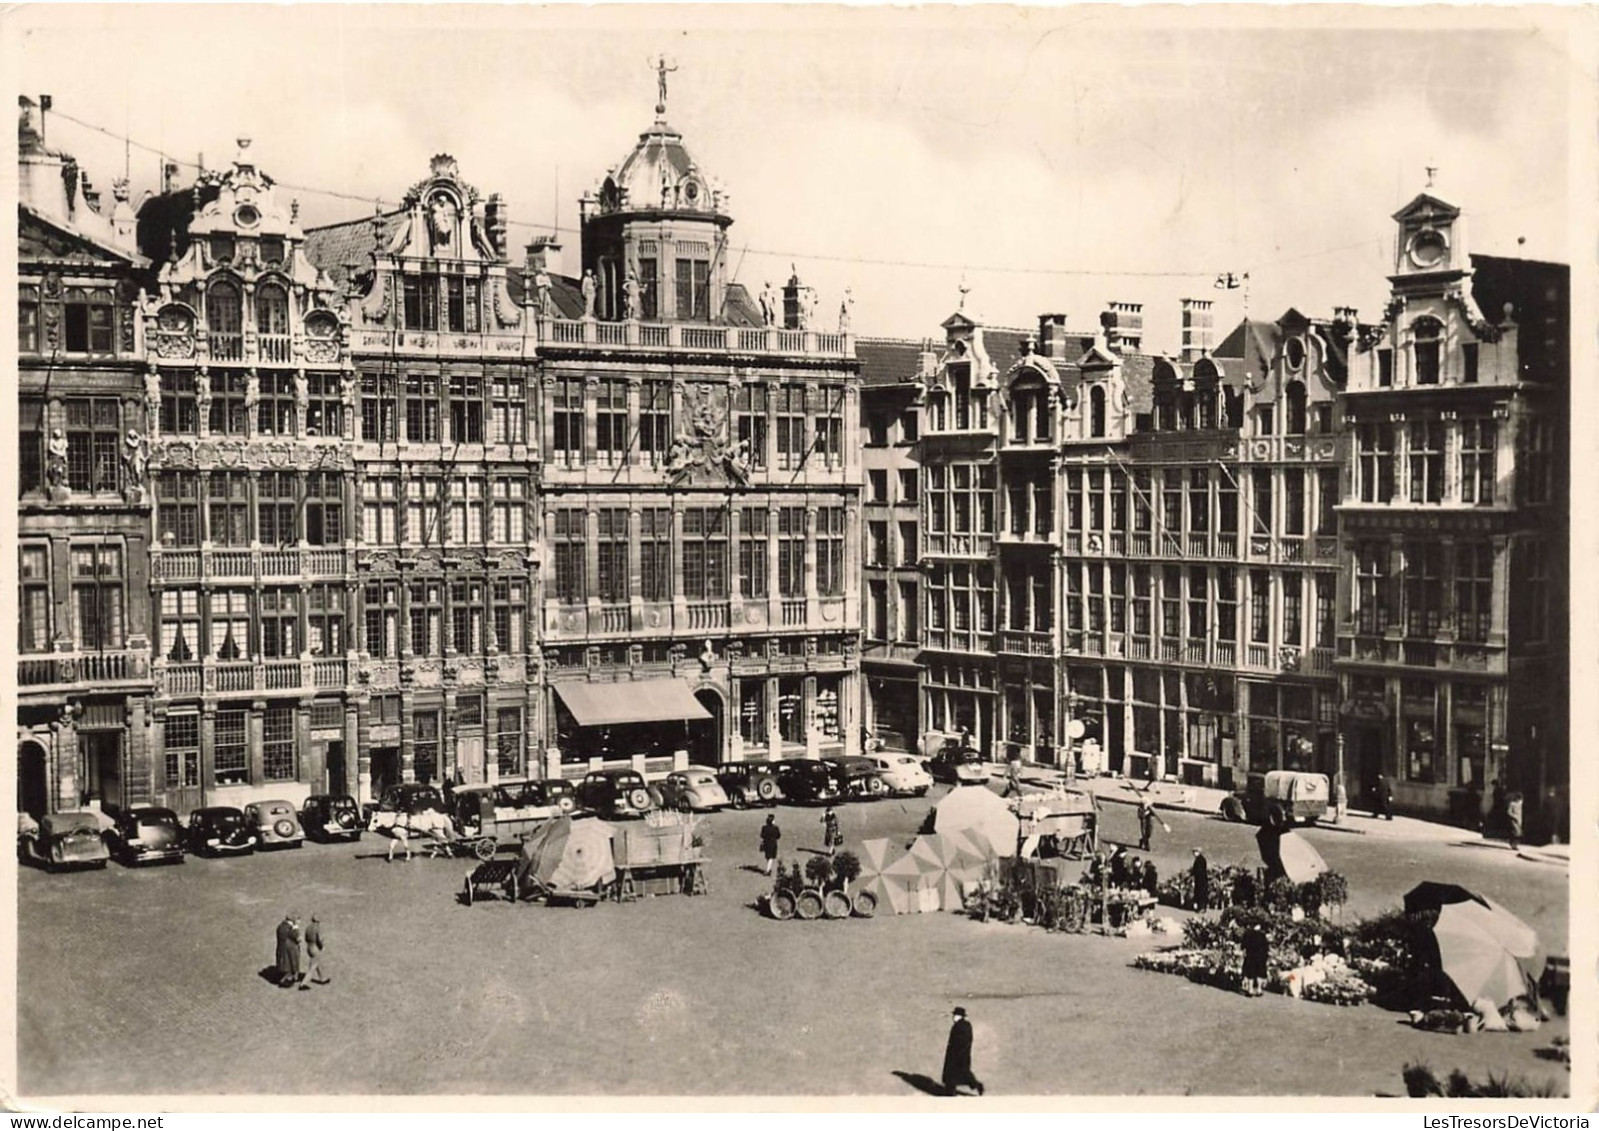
[231,758]
[1375,462]
[380,606]
[1536,581]
[466,511]
[1294,411]
[1474,579]
[1427,341]
[1372,612]
[324,508]
[1260,501]
[229,414]
[272,324]
[1426,461]
[1385,368]
[1477,464]
[324,620]
[1171,503]
[34,599]
[611,435]
[1096,411]
[180,742]
[510,615]
[93,436]
[1294,501]
[1326,500]
[649,288]
[277,501]
[425,745]
[28,319]
[1326,606]
[750,407]
[324,408]
[276,411]
[510,410]
[694,290]
[612,555]
[230,625]
[509,516]
[1198,602]
[830,528]
[177,506]
[508,741]
[380,510]
[380,408]
[224,321]
[228,508]
[1259,606]
[427,618]
[791,537]
[466,616]
[1423,588]
[655,554]
[1293,608]
[280,622]
[466,409]
[791,438]
[704,553]
[908,612]
[421,408]
[30,448]
[424,522]
[655,423]
[1141,600]
[1468,363]
[752,577]
[1226,604]
[571,545]
[1199,499]
[828,414]
[1171,601]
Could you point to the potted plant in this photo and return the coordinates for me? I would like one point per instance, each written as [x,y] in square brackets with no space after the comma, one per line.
[809,903]
[846,867]
[786,885]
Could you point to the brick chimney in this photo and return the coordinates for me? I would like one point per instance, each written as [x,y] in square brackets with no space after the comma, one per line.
[543,254]
[1052,336]
[1198,329]
[1123,323]
[793,303]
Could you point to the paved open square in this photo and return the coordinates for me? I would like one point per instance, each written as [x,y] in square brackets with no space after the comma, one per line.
[150,981]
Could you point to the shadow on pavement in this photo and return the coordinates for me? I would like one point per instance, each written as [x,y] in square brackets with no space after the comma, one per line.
[923,1083]
[269,975]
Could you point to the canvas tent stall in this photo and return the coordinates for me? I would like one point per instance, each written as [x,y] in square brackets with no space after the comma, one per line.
[566,859]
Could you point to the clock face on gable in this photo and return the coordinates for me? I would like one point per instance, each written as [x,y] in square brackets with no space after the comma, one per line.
[1428,248]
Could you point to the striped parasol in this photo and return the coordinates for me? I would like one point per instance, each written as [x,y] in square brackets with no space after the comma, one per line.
[877,856]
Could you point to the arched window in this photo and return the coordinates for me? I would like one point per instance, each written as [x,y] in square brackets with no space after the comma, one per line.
[1096,411]
[224,320]
[272,322]
[1427,341]
[1294,410]
[1021,414]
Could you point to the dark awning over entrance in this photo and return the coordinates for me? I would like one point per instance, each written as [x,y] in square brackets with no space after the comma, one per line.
[641,701]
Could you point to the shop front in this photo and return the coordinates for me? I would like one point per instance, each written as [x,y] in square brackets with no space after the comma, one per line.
[651,725]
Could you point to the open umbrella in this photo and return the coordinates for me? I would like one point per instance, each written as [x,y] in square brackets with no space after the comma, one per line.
[977,806]
[933,854]
[568,854]
[1477,963]
[1491,918]
[905,879]
[877,856]
[1289,854]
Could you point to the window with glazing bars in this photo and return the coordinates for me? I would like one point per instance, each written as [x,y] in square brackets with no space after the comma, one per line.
[509,509]
[611,433]
[231,755]
[277,501]
[791,551]
[704,553]
[466,616]
[510,615]
[1259,606]
[425,745]
[380,510]
[791,438]
[180,750]
[230,624]
[655,422]
[324,508]
[830,527]
[466,511]
[508,741]
[275,412]
[34,580]
[381,611]
[229,415]
[571,544]
[612,554]
[752,559]
[93,437]
[180,406]
[1425,460]
[510,410]
[1477,465]
[427,618]
[97,597]
[1423,587]
[466,408]
[421,408]
[1474,583]
[324,621]
[1372,612]
[177,506]
[278,761]
[324,408]
[655,553]
[1293,606]
[423,524]
[380,410]
[280,622]
[1374,463]
[566,421]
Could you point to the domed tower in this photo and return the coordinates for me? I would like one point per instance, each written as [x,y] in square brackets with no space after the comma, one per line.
[659,219]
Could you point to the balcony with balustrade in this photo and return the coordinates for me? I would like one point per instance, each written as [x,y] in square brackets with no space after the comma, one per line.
[556,333]
[666,620]
[286,676]
[1026,642]
[244,566]
[1443,653]
[57,673]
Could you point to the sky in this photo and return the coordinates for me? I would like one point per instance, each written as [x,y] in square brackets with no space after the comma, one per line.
[1046,159]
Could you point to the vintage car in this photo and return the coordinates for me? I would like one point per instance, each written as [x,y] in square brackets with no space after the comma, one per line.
[555,794]
[958,767]
[219,830]
[861,776]
[411,797]
[749,783]
[145,834]
[615,793]
[903,773]
[275,824]
[59,841]
[331,816]
[1279,799]
[692,790]
[505,809]
[807,779]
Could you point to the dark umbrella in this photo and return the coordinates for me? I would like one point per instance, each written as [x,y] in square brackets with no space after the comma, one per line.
[1289,854]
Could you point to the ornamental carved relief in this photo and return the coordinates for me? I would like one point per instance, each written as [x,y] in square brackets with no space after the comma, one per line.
[512,560]
[377,561]
[505,312]
[322,351]
[233,454]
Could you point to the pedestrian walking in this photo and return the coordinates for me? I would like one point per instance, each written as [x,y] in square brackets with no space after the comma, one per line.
[1013,777]
[1256,950]
[770,835]
[958,1057]
[288,954]
[315,944]
[1385,798]
[830,833]
[1200,871]
[1146,822]
[1513,818]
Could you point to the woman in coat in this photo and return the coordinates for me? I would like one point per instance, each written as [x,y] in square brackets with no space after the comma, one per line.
[830,833]
[288,961]
[957,1072]
[770,835]
[1256,950]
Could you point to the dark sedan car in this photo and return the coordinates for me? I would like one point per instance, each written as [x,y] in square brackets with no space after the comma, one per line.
[146,834]
[615,793]
[806,779]
[749,783]
[60,841]
[410,798]
[862,776]
[219,831]
[331,816]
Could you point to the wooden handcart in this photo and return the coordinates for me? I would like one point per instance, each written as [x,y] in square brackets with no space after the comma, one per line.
[658,857]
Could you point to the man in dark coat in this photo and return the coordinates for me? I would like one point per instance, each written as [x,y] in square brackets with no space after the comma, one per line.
[1385,798]
[1146,822]
[958,1057]
[770,835]
[1151,878]
[1257,948]
[1201,874]
[289,951]
[315,944]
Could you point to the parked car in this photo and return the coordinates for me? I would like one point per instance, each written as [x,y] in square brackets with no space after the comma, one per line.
[860,774]
[146,834]
[331,816]
[615,793]
[479,807]
[903,773]
[275,823]
[749,783]
[958,767]
[219,830]
[1279,799]
[411,797]
[807,779]
[60,841]
[556,794]
[695,789]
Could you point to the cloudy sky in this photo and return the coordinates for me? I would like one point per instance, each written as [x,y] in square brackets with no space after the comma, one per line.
[1057,158]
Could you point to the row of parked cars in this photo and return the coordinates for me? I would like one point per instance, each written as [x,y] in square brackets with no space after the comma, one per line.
[152,834]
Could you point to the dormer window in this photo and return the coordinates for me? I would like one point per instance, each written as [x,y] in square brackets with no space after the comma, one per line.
[1265,424]
[222,248]
[272,250]
[446,303]
[1294,418]
[1427,341]
[1096,411]
[224,321]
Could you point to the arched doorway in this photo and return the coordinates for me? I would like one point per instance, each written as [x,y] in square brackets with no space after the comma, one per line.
[705,735]
[33,780]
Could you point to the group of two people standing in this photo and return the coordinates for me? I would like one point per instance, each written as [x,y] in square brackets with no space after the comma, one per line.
[832,837]
[291,937]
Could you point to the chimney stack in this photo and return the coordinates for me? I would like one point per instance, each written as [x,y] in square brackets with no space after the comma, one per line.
[1052,336]
[1123,323]
[793,304]
[1198,329]
[543,254]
